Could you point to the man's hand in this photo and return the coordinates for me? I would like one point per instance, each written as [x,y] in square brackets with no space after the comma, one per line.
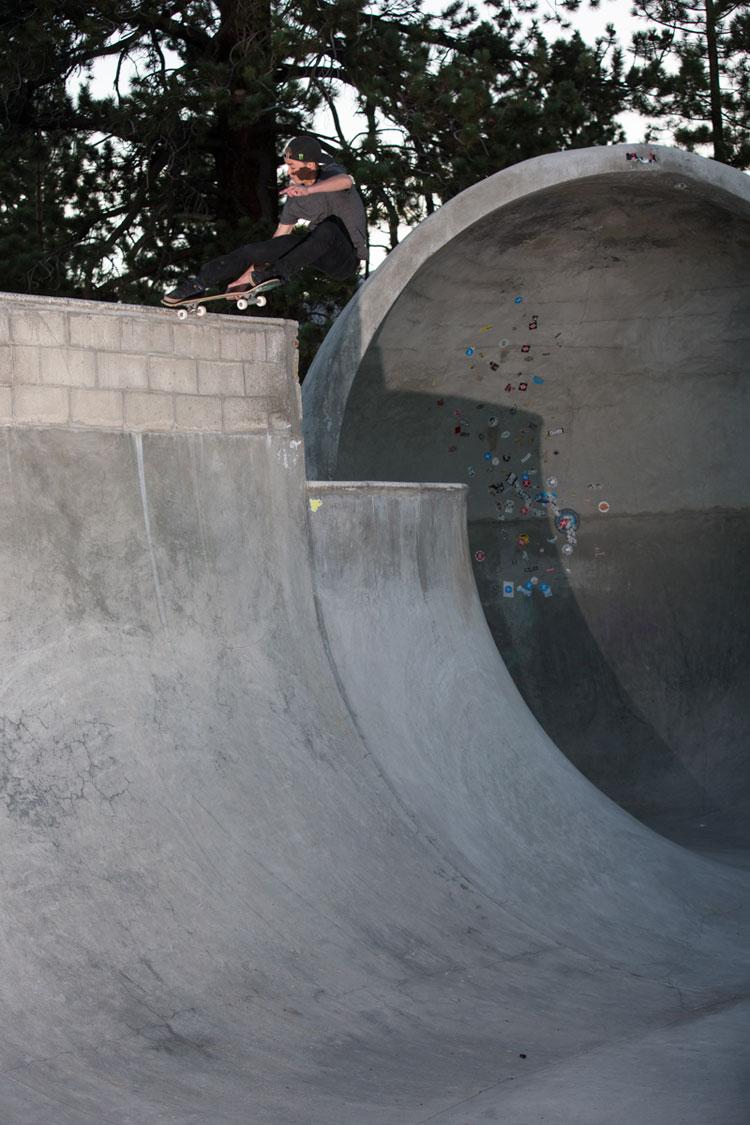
[295,189]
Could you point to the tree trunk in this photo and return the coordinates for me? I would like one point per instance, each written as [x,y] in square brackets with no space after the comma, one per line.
[717,117]
[245,152]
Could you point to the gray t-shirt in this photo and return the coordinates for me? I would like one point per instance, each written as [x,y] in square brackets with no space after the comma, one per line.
[345,205]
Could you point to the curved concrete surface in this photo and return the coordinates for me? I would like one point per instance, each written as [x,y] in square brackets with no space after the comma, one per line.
[281,841]
[269,856]
[573,334]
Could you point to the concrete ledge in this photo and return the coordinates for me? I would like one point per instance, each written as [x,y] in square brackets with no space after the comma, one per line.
[80,364]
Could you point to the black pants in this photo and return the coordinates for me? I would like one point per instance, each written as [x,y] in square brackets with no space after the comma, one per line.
[328,248]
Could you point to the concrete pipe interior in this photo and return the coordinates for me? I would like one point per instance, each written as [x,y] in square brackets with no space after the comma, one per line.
[570,339]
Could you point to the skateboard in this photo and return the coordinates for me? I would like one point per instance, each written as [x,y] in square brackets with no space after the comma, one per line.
[242,298]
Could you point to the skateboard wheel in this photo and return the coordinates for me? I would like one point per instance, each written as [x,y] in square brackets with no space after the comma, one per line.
[182,313]
[201,310]
[241,303]
[261,301]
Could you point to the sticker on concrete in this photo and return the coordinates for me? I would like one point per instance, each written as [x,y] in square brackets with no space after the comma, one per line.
[567,520]
[604,506]
[315,504]
[508,590]
[518,300]
[480,556]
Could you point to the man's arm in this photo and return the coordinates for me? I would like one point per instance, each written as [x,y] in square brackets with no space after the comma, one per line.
[340,182]
[283,228]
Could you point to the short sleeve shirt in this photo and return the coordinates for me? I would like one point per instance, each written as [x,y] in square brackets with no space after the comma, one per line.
[344,205]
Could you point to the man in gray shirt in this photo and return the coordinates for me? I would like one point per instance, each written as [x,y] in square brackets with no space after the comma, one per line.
[321,194]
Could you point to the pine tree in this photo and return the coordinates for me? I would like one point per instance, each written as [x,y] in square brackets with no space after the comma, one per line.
[692,70]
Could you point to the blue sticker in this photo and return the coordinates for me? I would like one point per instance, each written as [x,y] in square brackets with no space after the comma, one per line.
[470,351]
[518,300]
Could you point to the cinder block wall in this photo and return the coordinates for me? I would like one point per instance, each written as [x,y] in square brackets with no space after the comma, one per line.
[81,364]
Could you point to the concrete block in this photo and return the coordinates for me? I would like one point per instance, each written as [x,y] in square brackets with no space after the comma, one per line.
[25,364]
[276,345]
[38,326]
[172,373]
[41,405]
[4,327]
[6,364]
[278,415]
[200,340]
[264,378]
[122,371]
[218,377]
[6,406]
[245,415]
[71,367]
[244,343]
[149,411]
[198,412]
[96,408]
[146,335]
[95,330]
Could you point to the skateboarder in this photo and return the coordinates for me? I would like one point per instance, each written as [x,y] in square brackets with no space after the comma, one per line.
[321,193]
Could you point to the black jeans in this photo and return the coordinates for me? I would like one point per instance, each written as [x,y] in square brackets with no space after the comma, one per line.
[328,248]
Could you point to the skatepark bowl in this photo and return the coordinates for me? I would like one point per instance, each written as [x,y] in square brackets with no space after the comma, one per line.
[390,768]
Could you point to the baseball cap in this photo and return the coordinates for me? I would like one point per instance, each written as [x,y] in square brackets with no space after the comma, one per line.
[305,149]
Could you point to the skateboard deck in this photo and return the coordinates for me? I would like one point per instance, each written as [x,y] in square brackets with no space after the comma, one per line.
[253,295]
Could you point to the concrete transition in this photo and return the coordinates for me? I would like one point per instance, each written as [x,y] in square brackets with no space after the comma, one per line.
[282,842]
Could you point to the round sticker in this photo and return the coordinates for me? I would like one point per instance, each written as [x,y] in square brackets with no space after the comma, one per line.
[566,520]
[479,556]
[604,506]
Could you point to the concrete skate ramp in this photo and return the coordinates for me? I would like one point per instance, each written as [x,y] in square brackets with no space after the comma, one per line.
[281,842]
[571,338]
